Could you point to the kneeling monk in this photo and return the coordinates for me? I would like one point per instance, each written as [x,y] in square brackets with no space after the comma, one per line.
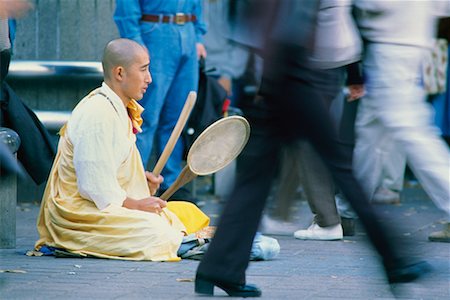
[97,201]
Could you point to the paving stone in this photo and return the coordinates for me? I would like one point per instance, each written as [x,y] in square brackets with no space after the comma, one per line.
[347,269]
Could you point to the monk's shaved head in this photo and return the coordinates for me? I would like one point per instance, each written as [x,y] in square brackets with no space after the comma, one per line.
[120,52]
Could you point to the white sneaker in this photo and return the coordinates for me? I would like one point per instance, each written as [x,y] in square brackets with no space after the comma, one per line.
[315,232]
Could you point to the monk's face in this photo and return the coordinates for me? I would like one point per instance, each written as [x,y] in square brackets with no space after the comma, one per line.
[137,76]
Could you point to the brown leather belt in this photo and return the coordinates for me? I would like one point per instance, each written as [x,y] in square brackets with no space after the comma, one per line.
[178,18]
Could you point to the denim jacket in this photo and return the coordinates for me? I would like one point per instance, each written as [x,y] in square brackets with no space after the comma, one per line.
[129,12]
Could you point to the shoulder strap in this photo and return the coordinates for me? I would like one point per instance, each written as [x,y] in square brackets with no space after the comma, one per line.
[62,131]
[104,95]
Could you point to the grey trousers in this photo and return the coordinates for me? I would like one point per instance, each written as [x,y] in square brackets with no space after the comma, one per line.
[302,165]
[318,186]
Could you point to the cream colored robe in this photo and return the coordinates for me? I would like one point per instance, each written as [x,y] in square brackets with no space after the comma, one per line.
[96,166]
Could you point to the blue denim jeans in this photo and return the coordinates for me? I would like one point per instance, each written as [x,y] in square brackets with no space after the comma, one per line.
[174,69]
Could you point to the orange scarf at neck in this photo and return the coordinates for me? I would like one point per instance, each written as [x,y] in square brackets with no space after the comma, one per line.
[134,111]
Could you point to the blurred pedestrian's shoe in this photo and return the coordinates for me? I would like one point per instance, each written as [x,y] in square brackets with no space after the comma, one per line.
[441,236]
[348,226]
[205,286]
[385,196]
[408,273]
[277,227]
[315,232]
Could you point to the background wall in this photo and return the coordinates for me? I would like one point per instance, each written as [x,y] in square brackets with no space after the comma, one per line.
[65,30]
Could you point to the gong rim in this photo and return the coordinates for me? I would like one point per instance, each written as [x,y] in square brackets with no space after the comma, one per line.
[207,132]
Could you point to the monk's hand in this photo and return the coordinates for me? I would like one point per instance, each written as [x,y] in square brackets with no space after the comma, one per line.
[150,204]
[153,182]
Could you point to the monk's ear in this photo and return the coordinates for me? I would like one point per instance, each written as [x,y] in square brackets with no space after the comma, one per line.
[118,73]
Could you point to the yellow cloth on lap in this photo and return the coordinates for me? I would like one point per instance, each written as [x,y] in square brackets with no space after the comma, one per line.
[190,215]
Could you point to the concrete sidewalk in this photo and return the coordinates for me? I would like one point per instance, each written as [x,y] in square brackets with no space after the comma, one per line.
[347,269]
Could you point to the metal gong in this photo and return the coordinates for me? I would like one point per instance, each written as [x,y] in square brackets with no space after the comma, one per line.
[218,145]
[214,149]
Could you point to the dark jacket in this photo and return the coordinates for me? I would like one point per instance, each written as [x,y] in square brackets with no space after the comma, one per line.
[323,31]
[37,150]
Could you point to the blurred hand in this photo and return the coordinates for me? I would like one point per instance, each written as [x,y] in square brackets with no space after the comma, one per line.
[201,51]
[355,91]
[14,8]
[226,84]
[153,182]
[150,204]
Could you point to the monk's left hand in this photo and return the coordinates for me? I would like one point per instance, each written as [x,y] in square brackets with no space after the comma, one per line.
[152,204]
[153,182]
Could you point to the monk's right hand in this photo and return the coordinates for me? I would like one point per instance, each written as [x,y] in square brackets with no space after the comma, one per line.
[153,181]
[150,204]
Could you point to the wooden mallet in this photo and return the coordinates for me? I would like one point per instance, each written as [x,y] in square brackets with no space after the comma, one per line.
[182,120]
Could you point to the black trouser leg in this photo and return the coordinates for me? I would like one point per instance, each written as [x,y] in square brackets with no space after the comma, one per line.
[228,254]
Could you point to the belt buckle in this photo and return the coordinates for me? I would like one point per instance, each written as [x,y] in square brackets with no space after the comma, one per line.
[180,18]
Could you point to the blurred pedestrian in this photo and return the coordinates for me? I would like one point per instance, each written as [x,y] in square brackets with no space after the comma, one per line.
[9,9]
[395,96]
[37,150]
[439,71]
[298,83]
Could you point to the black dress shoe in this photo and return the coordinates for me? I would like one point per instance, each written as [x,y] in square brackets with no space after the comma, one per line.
[205,286]
[408,273]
